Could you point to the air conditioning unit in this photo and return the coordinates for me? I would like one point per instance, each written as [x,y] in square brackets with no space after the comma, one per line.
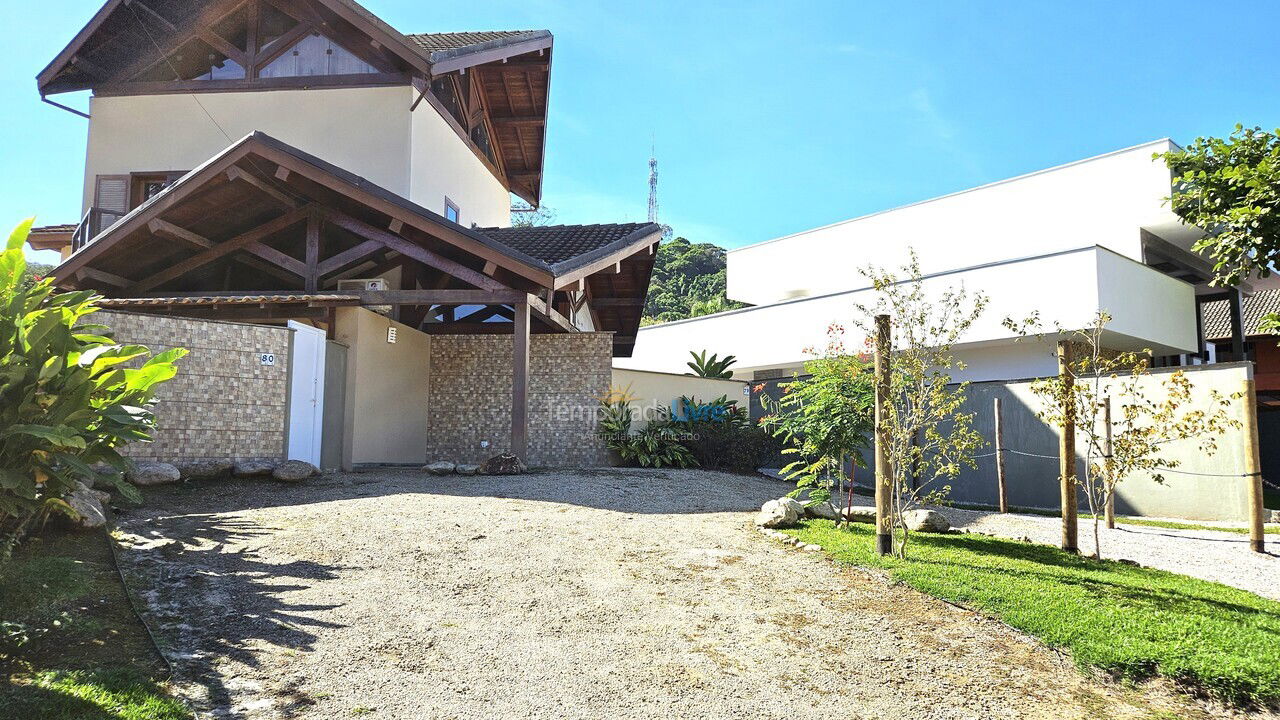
[356,286]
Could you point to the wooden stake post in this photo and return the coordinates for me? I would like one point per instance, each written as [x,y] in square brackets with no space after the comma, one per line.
[1067,450]
[884,472]
[1106,450]
[1253,468]
[1001,488]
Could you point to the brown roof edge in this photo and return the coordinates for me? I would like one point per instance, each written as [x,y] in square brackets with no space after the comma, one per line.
[282,153]
[594,262]
[443,61]
[349,10]
[50,71]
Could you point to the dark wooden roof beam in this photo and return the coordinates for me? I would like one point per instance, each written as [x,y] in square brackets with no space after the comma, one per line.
[236,173]
[222,45]
[224,248]
[521,120]
[210,16]
[443,297]
[88,273]
[162,20]
[347,257]
[277,258]
[415,251]
[90,67]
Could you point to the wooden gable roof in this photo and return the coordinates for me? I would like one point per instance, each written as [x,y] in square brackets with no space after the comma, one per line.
[500,79]
[265,217]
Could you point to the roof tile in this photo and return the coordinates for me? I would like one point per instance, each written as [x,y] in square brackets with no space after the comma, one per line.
[444,42]
[1217,318]
[556,244]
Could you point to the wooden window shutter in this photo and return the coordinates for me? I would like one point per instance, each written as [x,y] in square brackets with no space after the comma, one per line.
[111,195]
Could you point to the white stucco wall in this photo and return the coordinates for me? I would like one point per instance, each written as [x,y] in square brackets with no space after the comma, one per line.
[363,130]
[1149,309]
[443,165]
[367,131]
[1104,200]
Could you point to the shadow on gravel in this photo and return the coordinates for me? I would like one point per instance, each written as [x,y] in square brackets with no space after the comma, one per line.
[626,490]
[209,599]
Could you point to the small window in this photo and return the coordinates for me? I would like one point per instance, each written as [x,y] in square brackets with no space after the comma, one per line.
[450,211]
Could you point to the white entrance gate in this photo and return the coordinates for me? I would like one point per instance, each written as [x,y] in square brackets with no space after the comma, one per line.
[306,393]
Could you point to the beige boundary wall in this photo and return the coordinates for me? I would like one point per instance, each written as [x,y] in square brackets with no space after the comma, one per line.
[224,403]
[651,392]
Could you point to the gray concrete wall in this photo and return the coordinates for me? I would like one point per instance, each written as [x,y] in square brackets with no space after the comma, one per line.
[1032,481]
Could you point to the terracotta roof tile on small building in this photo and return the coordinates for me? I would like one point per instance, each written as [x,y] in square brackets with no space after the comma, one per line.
[558,245]
[1217,316]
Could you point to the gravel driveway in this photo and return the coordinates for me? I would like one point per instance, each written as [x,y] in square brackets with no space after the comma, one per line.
[618,594]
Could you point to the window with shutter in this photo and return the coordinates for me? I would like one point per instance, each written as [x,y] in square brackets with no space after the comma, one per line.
[111,198]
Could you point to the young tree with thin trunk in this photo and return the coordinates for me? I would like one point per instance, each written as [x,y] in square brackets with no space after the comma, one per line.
[1125,418]
[929,437]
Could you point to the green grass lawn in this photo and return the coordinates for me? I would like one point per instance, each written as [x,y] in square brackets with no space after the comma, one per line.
[70,647]
[1132,622]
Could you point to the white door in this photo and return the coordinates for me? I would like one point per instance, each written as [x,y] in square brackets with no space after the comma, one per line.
[306,393]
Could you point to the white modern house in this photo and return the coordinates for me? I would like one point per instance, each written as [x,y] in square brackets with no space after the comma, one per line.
[1066,242]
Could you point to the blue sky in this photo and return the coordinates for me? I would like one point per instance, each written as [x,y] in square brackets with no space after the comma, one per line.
[771,118]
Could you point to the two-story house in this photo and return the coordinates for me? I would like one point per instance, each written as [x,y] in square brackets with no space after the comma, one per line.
[302,162]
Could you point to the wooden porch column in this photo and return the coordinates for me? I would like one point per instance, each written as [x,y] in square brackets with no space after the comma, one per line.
[1067,450]
[520,383]
[313,251]
[884,465]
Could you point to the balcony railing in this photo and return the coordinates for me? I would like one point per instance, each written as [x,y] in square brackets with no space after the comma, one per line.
[93,222]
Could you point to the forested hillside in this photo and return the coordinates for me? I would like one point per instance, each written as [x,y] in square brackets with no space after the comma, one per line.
[688,281]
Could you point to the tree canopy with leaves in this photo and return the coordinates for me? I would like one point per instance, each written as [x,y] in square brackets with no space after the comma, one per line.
[1230,187]
[688,281]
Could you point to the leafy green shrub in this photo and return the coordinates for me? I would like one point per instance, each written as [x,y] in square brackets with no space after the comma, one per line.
[657,445]
[67,400]
[711,367]
[825,419]
[721,436]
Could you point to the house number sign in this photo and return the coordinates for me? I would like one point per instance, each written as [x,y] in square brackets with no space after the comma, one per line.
[267,358]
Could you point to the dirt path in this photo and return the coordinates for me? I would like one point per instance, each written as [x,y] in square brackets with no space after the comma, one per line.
[627,594]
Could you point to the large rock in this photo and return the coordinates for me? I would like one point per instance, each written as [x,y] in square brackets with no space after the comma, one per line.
[152,473]
[440,467]
[504,464]
[256,467]
[88,507]
[294,471]
[824,510]
[859,513]
[463,469]
[926,521]
[782,512]
[204,469]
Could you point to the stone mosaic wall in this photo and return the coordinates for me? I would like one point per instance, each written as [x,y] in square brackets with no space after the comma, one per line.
[470,397]
[224,403]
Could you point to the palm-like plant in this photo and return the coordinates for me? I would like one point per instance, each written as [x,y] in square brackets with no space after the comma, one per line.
[70,396]
[711,367]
